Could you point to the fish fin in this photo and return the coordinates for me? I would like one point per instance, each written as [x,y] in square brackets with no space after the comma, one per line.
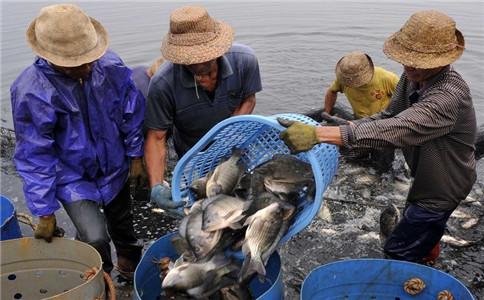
[257,265]
[237,152]
[213,190]
[248,220]
[288,210]
[180,244]
[251,265]
[246,205]
[182,228]
[244,269]
[236,226]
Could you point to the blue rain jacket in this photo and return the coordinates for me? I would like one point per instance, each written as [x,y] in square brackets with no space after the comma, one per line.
[74,139]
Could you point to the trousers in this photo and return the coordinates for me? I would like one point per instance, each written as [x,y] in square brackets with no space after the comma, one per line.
[416,234]
[96,225]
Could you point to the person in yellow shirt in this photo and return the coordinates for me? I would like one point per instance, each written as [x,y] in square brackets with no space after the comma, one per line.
[368,88]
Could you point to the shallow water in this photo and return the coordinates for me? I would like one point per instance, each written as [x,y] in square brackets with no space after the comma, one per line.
[297,43]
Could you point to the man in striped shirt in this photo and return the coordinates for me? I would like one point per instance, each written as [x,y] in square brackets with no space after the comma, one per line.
[431,118]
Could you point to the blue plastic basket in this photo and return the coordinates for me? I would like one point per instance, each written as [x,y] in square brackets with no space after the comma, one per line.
[377,279]
[259,137]
[147,283]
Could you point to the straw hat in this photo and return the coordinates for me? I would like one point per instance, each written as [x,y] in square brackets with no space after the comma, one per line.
[429,39]
[65,36]
[355,69]
[195,37]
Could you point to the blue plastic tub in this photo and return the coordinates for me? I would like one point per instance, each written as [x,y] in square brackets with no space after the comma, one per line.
[259,137]
[147,284]
[10,228]
[377,279]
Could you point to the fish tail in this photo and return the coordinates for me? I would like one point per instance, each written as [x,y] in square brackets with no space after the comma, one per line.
[251,265]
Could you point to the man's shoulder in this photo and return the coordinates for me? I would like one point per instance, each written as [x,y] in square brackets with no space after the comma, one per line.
[451,80]
[29,75]
[164,73]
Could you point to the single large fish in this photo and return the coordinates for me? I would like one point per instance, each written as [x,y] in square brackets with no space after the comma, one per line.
[222,211]
[226,175]
[200,279]
[202,243]
[389,218]
[265,229]
[286,176]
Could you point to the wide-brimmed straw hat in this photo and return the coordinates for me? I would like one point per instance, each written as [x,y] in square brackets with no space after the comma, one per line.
[195,37]
[65,36]
[429,39]
[355,69]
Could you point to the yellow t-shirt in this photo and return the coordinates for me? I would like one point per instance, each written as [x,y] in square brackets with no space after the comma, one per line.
[372,97]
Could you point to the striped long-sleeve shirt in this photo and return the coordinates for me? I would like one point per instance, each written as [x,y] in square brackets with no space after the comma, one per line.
[436,129]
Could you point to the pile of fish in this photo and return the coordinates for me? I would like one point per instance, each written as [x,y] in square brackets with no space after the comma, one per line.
[235,211]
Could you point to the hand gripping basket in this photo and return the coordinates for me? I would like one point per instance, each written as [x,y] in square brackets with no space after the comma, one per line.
[259,137]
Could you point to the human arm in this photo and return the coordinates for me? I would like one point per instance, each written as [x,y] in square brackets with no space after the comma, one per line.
[246,107]
[34,120]
[158,117]
[155,155]
[425,120]
[250,81]
[330,100]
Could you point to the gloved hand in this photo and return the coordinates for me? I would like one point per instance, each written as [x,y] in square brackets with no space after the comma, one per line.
[298,136]
[161,196]
[45,228]
[137,172]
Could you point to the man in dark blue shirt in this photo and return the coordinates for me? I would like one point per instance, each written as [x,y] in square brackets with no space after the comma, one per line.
[206,80]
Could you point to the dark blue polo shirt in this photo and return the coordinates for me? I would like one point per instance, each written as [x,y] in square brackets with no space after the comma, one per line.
[173,101]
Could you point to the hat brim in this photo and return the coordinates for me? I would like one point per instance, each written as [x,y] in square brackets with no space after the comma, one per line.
[411,58]
[195,54]
[70,61]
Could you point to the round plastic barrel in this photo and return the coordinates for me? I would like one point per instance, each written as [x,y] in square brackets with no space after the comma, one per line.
[377,279]
[10,227]
[147,284]
[34,269]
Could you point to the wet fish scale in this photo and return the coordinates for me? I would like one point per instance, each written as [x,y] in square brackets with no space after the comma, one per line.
[223,211]
[225,176]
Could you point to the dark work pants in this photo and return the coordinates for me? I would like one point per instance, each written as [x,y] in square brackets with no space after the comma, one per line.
[97,228]
[416,234]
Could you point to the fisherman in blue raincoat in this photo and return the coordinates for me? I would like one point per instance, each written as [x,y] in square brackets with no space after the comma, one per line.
[78,123]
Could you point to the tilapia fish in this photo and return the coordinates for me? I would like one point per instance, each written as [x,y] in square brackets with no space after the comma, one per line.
[265,229]
[222,211]
[199,187]
[200,279]
[226,175]
[389,218]
[202,243]
[285,176]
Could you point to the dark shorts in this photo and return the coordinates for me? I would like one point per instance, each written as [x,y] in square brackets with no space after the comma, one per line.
[416,234]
